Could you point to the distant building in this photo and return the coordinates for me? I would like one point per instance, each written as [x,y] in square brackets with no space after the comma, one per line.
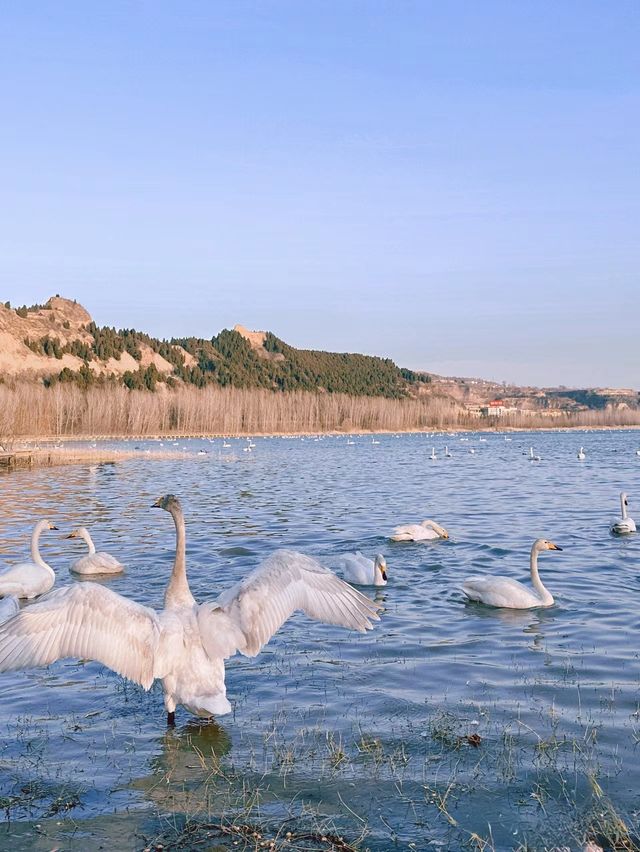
[495,408]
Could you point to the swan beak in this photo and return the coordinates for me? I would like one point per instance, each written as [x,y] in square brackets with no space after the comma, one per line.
[445,534]
[53,527]
[553,546]
[71,535]
[384,574]
[157,504]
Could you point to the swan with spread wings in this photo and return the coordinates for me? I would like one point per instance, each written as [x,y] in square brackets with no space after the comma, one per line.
[186,643]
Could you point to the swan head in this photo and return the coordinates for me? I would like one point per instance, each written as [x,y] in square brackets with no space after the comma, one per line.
[168,502]
[381,565]
[79,532]
[47,525]
[623,498]
[436,527]
[544,544]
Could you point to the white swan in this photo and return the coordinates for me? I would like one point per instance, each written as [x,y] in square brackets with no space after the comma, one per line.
[624,524]
[581,454]
[447,454]
[433,455]
[185,644]
[424,531]
[93,563]
[29,579]
[532,457]
[505,592]
[357,568]
[9,607]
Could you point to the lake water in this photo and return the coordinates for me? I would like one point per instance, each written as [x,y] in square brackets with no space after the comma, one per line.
[364,734]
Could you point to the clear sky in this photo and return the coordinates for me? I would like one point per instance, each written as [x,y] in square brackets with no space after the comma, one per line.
[455,185]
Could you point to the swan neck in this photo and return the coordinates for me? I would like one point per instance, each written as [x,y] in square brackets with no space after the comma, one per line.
[535,577]
[178,592]
[35,545]
[623,506]
[89,541]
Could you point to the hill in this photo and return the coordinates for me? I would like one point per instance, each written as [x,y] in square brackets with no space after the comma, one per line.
[59,342]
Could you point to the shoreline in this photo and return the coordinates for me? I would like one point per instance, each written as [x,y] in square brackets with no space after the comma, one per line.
[22,443]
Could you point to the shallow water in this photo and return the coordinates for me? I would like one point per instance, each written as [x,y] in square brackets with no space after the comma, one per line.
[367,731]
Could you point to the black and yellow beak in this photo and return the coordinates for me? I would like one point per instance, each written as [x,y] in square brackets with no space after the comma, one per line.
[553,546]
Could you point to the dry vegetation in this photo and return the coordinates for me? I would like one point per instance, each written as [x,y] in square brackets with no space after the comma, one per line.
[66,410]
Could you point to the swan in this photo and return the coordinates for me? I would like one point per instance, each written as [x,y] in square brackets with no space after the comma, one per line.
[505,592]
[581,454]
[29,579]
[92,562]
[532,457]
[447,454]
[624,524]
[424,531]
[433,455]
[185,644]
[357,568]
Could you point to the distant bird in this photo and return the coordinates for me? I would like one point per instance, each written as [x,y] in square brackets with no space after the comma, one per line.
[581,454]
[373,441]
[424,531]
[532,457]
[185,644]
[92,562]
[471,451]
[433,456]
[225,444]
[623,525]
[447,454]
[357,568]
[638,452]
[505,592]
[29,579]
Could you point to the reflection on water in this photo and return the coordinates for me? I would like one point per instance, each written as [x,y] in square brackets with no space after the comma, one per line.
[371,725]
[183,773]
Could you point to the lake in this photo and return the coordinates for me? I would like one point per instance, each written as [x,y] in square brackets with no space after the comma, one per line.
[365,736]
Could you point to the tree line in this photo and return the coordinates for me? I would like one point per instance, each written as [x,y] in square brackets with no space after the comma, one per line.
[68,410]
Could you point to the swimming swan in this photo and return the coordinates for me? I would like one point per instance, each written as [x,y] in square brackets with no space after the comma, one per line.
[625,524]
[357,568]
[93,563]
[185,644]
[425,531]
[581,454]
[29,579]
[505,592]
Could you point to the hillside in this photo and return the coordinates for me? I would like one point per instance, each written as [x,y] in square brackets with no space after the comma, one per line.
[59,342]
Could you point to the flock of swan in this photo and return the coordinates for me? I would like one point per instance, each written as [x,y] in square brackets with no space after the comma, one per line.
[185,644]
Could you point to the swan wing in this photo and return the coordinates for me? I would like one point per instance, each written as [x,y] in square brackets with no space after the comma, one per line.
[408,532]
[247,615]
[8,608]
[87,621]
[500,591]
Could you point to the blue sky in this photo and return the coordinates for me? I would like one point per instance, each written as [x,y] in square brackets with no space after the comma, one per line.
[454,185]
